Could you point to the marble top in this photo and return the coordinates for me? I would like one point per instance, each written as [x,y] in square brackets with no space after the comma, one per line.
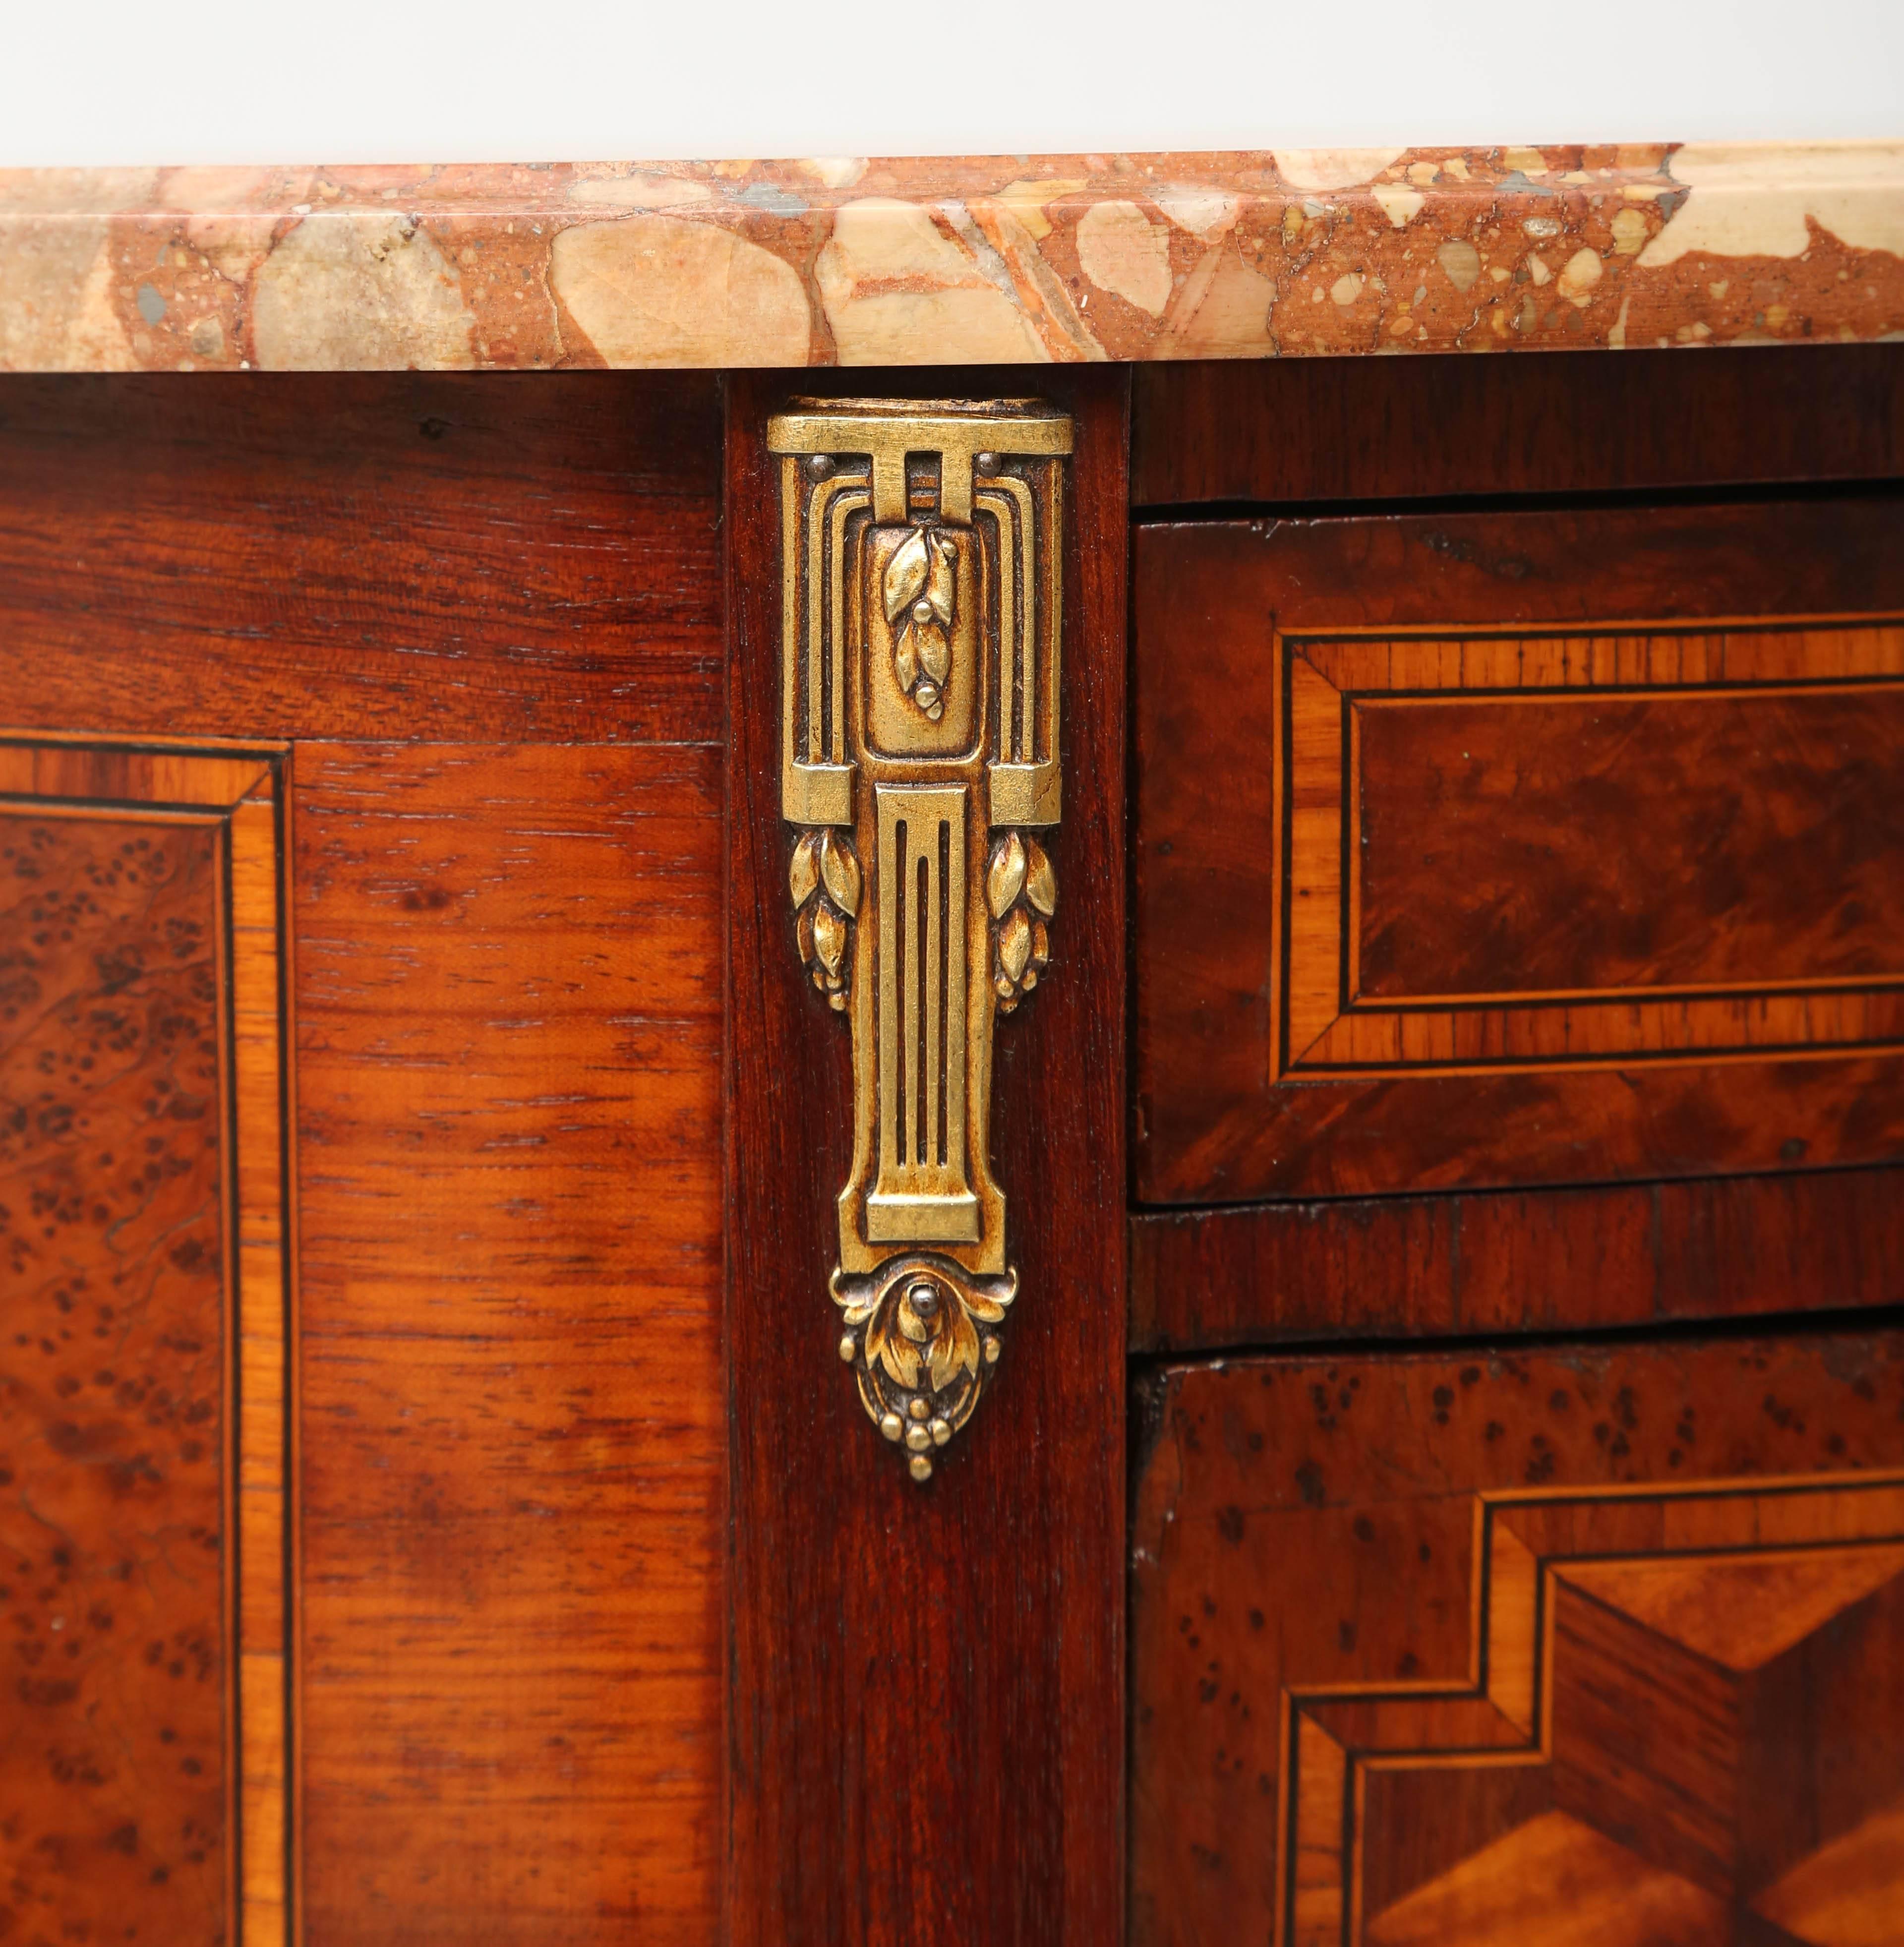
[952,261]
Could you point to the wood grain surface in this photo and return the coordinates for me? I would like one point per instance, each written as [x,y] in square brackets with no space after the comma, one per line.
[1566,1646]
[508,1018]
[1296,430]
[1490,849]
[364,555]
[262,1456]
[925,1684]
[1516,1260]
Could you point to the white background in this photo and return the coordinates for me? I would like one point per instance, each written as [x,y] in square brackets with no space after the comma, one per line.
[95,83]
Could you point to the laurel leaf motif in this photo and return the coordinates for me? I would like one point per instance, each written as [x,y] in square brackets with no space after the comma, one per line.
[803,875]
[938,583]
[1015,943]
[1004,877]
[1041,882]
[839,870]
[830,937]
[934,650]
[905,575]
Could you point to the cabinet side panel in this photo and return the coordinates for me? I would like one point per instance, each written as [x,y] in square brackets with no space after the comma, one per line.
[509,1023]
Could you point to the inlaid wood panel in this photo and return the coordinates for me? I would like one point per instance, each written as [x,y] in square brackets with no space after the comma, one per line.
[1586,1644]
[513,1419]
[1802,783]
[1466,904]
[1642,846]
[142,1332]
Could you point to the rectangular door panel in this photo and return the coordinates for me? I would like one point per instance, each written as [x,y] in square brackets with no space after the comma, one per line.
[1519,885]
[143,1298]
[1578,1644]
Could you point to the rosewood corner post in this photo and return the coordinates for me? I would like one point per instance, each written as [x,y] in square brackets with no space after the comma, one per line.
[926,615]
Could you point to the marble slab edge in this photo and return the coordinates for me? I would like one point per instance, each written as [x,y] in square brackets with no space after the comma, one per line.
[968,260]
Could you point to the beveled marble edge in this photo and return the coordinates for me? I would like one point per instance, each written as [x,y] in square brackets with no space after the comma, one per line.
[960,260]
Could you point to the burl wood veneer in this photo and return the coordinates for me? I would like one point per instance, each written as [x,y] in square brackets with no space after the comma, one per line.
[1579,1646]
[1490,849]
[143,1457]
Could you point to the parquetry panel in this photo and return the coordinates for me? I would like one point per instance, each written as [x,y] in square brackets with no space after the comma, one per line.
[1701,1699]
[1596,1646]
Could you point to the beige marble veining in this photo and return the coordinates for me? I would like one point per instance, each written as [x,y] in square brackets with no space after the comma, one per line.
[969,260]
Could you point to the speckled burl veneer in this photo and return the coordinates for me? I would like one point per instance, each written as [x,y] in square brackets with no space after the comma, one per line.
[961,261]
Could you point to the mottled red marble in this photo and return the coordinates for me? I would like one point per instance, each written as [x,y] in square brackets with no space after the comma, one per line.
[955,260]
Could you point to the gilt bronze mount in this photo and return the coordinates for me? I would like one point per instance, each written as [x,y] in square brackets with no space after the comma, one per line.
[921,623]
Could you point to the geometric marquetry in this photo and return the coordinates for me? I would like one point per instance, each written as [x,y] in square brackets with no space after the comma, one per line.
[1558,851]
[144,1292]
[1682,1691]
[1571,1647]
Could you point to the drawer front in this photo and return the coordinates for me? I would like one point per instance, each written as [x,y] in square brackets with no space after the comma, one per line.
[1421,1641]
[1466,858]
